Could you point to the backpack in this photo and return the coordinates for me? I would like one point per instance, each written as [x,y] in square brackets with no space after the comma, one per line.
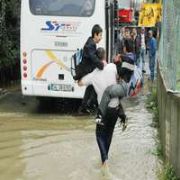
[136,82]
[76,59]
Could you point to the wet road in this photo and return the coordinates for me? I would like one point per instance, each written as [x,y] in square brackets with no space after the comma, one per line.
[36,144]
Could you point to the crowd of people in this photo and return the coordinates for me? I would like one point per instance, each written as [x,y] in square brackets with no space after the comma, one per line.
[107,83]
[144,42]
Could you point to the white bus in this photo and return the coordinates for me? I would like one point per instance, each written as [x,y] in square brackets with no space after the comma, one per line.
[51,32]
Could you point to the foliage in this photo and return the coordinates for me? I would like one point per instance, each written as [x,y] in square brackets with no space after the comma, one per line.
[9,41]
[158,150]
[167,173]
[152,105]
[9,32]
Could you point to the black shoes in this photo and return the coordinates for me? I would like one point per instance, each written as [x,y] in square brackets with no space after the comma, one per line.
[123,123]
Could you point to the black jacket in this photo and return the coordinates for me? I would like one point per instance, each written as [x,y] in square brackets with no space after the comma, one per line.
[90,60]
[124,72]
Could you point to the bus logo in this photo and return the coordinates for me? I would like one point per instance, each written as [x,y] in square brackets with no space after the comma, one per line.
[55,26]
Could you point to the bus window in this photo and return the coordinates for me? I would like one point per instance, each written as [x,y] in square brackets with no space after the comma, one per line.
[62,7]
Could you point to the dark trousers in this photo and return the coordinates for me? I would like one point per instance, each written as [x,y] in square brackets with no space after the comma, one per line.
[104,133]
[90,97]
[121,113]
[152,63]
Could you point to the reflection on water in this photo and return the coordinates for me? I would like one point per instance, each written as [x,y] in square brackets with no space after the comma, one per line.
[55,145]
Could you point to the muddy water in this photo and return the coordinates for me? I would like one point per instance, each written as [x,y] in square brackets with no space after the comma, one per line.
[36,145]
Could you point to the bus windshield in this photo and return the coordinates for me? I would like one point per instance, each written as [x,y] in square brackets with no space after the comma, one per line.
[62,7]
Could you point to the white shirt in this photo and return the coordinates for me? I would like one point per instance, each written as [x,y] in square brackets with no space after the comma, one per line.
[101,79]
[143,45]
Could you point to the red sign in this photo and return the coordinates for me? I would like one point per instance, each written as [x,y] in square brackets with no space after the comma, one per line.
[125,15]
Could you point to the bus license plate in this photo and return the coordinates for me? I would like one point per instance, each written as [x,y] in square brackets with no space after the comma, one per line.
[60,87]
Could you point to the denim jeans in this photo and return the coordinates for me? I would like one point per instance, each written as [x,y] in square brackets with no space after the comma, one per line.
[152,61]
[104,133]
[142,54]
[138,56]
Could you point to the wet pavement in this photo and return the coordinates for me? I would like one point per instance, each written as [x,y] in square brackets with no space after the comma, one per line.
[53,142]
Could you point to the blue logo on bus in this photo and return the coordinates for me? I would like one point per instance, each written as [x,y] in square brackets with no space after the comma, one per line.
[49,26]
[56,26]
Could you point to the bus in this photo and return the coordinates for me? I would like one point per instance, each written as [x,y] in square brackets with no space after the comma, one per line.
[51,32]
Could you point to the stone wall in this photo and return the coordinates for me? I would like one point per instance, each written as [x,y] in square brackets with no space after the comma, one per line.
[169,117]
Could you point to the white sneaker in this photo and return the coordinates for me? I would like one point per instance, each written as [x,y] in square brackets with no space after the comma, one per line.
[99,120]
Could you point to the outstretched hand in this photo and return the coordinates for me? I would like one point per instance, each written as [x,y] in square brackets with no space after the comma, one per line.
[80,83]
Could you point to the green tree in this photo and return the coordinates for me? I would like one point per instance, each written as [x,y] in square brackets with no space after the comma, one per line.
[9,32]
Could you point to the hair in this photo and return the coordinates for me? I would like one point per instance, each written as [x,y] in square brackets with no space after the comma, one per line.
[150,32]
[128,43]
[101,53]
[96,30]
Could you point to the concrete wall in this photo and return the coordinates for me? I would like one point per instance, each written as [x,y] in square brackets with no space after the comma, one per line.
[169,117]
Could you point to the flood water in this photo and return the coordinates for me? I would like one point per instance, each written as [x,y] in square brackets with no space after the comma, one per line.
[57,144]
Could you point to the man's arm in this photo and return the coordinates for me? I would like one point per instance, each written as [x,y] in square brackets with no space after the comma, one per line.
[153,47]
[86,80]
[155,44]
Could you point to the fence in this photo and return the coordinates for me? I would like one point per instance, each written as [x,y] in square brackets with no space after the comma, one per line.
[169,47]
[168,83]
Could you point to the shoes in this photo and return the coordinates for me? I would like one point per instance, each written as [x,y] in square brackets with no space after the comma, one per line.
[99,120]
[124,126]
[123,122]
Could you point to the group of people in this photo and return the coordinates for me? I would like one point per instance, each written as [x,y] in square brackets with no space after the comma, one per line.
[107,83]
[143,42]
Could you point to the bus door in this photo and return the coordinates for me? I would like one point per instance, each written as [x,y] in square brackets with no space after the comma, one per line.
[111,27]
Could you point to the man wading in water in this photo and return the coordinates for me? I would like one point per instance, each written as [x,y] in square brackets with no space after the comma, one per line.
[101,79]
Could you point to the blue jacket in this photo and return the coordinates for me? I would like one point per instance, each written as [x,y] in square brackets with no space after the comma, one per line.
[152,45]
